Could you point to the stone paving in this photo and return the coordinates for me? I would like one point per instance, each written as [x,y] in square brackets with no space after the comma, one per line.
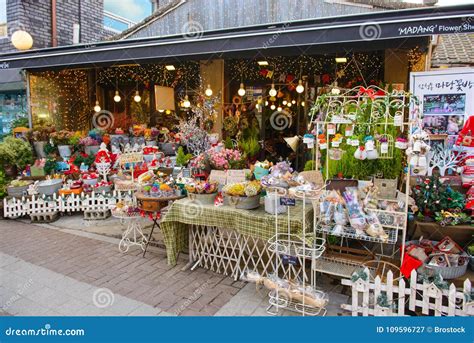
[54,270]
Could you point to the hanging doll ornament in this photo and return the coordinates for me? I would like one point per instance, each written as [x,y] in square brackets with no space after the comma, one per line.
[360,153]
[369,144]
[418,148]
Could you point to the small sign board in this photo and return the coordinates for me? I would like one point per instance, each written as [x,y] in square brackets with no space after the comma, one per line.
[287,259]
[287,201]
[186,172]
[219,176]
[237,175]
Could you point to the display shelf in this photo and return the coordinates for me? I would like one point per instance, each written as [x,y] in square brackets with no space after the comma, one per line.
[350,232]
[336,266]
[277,302]
[285,244]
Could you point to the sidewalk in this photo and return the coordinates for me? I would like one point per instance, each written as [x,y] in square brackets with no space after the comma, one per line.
[46,271]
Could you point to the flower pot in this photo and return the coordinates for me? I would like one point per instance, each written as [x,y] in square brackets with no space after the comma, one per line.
[18,191]
[117,140]
[168,148]
[243,203]
[39,149]
[10,170]
[137,140]
[203,199]
[271,207]
[148,158]
[91,149]
[90,182]
[151,143]
[64,151]
[49,187]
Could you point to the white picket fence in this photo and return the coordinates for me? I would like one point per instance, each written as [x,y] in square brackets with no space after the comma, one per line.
[426,297]
[37,204]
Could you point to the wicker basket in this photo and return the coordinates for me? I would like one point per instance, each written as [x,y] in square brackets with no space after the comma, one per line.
[313,176]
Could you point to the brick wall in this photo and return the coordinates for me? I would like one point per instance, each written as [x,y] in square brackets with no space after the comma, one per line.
[35,17]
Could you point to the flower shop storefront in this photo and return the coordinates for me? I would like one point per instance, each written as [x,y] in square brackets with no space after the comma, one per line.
[271,163]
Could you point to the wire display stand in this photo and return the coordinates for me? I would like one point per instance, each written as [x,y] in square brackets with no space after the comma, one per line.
[133,234]
[365,109]
[297,249]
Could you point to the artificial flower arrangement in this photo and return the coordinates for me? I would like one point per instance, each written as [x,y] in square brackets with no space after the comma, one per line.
[322,141]
[138,130]
[223,159]
[150,150]
[281,175]
[88,141]
[401,143]
[202,187]
[159,190]
[243,189]
[62,137]
[125,209]
[336,140]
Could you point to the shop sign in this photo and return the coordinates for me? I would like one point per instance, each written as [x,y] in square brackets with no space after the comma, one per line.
[287,201]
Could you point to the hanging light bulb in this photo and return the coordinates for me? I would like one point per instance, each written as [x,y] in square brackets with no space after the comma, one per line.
[266,103]
[186,102]
[288,104]
[302,103]
[168,111]
[272,107]
[293,101]
[300,87]
[279,109]
[273,91]
[97,106]
[117,97]
[208,91]
[284,102]
[137,97]
[241,90]
[161,111]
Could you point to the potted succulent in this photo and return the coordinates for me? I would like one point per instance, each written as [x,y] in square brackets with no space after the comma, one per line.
[62,139]
[15,154]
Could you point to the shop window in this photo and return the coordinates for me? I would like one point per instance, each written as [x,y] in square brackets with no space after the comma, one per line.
[12,108]
[61,98]
[3,19]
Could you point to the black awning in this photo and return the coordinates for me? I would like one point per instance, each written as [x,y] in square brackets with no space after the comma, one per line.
[388,29]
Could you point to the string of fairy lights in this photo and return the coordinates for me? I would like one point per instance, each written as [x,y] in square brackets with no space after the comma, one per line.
[65,93]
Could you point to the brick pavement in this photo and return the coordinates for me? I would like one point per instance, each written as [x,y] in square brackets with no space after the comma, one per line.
[147,285]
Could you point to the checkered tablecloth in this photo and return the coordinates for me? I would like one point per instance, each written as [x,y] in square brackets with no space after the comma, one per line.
[256,223]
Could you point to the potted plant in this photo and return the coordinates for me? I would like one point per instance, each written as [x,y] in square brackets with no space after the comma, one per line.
[39,136]
[242,195]
[15,154]
[91,145]
[202,191]
[151,135]
[62,139]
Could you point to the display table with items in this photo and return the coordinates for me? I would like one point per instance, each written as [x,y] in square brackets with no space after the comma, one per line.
[225,238]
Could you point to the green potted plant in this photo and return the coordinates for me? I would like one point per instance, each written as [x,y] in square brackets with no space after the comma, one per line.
[15,154]
[62,139]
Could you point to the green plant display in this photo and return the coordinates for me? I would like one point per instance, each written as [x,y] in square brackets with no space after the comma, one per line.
[15,152]
[250,146]
[3,184]
[50,166]
[228,143]
[80,158]
[309,165]
[182,159]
